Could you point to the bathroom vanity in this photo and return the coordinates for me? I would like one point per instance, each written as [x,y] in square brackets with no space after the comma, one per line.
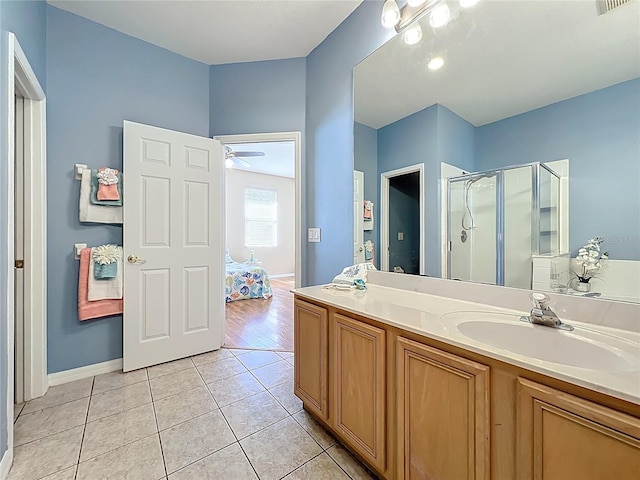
[424,386]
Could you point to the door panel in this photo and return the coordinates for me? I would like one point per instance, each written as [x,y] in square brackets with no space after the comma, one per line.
[358,217]
[173,225]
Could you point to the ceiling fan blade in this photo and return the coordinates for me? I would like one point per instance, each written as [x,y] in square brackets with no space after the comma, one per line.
[241,162]
[248,154]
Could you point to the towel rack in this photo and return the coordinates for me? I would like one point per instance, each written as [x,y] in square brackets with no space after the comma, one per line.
[79,168]
[77,248]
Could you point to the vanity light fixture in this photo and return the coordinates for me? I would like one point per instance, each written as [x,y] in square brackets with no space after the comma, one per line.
[440,16]
[435,63]
[390,14]
[228,163]
[412,35]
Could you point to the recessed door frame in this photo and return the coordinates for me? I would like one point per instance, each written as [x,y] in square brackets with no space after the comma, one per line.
[296,138]
[21,78]
[385,179]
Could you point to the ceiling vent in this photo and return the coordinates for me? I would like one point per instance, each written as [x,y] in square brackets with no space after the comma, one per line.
[605,6]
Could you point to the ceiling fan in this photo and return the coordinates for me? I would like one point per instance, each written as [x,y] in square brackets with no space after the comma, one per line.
[231,157]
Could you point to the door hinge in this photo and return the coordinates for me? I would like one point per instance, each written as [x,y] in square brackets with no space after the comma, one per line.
[19,264]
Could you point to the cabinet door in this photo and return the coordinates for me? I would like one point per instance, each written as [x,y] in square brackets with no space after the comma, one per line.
[561,436]
[359,387]
[311,329]
[443,414]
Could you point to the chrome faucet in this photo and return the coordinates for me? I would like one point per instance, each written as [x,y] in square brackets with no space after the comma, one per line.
[541,313]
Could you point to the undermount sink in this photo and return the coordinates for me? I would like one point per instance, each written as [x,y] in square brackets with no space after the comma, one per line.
[579,348]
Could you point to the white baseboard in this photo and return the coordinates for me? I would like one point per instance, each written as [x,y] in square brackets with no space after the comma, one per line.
[67,376]
[282,275]
[5,464]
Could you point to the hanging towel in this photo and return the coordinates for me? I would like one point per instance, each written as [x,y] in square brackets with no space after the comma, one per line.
[369,252]
[108,184]
[105,289]
[95,185]
[87,309]
[105,259]
[368,210]
[95,213]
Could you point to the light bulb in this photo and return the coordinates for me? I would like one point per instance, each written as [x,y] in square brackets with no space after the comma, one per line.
[416,3]
[390,14]
[440,16]
[435,63]
[228,163]
[468,3]
[412,35]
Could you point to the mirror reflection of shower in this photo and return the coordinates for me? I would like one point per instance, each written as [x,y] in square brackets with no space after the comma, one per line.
[498,220]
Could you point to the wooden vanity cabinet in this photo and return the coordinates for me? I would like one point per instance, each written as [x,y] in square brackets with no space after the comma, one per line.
[311,335]
[358,382]
[443,417]
[562,436]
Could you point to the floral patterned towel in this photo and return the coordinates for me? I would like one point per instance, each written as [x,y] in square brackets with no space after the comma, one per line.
[246,281]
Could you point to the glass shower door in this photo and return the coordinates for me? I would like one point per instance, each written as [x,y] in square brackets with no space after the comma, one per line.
[472,228]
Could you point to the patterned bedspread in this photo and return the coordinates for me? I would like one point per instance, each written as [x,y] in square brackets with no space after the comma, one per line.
[246,281]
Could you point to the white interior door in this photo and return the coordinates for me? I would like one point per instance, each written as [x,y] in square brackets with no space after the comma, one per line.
[358,217]
[173,245]
[19,252]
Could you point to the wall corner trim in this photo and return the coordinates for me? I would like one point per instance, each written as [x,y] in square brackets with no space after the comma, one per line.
[87,371]
[5,464]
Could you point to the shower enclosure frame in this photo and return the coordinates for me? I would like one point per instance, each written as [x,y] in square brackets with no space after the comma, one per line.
[500,210]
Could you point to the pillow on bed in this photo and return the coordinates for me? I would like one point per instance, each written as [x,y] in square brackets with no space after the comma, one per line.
[227,258]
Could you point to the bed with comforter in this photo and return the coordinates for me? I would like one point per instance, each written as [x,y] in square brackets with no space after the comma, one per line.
[245,281]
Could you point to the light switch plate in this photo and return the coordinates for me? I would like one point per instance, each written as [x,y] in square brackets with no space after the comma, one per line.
[400,235]
[314,235]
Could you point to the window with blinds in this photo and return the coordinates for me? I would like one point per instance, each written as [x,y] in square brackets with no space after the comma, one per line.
[260,217]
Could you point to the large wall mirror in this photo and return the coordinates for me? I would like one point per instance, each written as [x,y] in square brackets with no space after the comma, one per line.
[523,146]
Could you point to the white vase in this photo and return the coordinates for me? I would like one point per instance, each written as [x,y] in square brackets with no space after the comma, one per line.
[583,286]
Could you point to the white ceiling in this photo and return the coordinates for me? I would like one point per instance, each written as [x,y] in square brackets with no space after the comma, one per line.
[279,158]
[218,32]
[502,58]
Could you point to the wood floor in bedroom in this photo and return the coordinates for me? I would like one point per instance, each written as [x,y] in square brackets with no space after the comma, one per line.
[263,324]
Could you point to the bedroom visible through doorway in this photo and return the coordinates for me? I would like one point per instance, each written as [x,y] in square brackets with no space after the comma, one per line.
[262,214]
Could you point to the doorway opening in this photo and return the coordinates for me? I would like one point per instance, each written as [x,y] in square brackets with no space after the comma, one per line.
[402,234]
[263,240]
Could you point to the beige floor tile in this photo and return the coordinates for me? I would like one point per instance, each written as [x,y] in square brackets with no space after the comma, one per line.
[169,367]
[290,361]
[183,406]
[60,394]
[135,461]
[317,431]
[279,449]
[229,463]
[253,413]
[17,408]
[285,355]
[259,358]
[68,474]
[173,383]
[232,389]
[211,357]
[47,455]
[113,380]
[349,463]
[284,395]
[239,351]
[195,439]
[274,374]
[225,368]
[322,467]
[112,432]
[119,400]
[32,426]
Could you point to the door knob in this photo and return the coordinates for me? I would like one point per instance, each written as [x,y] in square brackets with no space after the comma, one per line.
[360,249]
[134,259]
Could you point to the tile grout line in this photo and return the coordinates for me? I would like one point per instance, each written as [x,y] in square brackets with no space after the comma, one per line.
[302,465]
[84,429]
[155,416]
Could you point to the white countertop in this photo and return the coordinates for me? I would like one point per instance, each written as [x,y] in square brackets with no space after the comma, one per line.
[426,315]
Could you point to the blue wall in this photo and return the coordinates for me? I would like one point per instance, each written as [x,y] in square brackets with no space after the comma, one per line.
[365,159]
[329,134]
[257,97]
[27,21]
[96,78]
[599,133]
